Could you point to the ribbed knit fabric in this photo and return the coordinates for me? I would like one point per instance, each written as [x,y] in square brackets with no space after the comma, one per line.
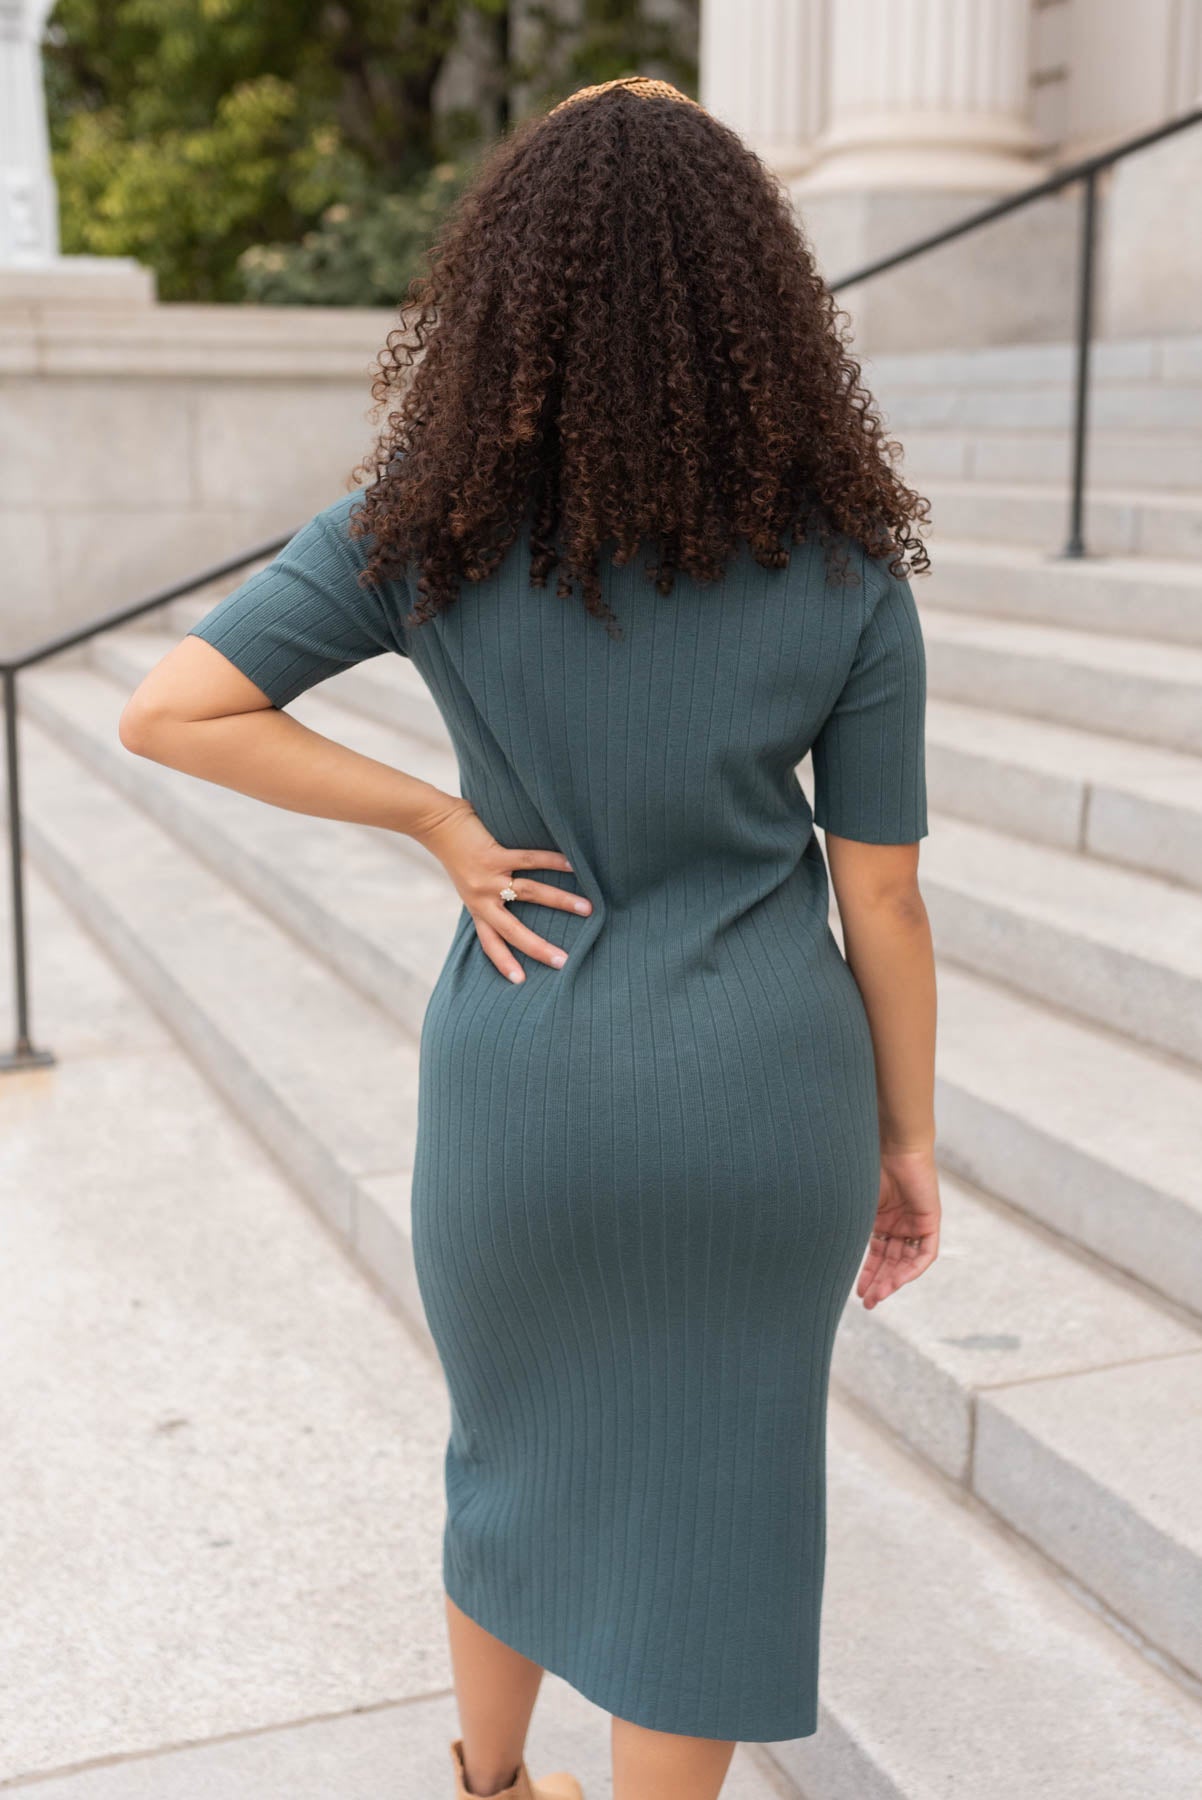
[644,1183]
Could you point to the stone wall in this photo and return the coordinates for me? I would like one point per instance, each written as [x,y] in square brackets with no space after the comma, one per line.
[139,443]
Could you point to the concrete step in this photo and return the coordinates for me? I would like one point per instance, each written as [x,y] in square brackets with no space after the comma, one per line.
[1102,1469]
[953,1664]
[1118,521]
[373,903]
[1002,1305]
[1127,687]
[222,1475]
[1114,361]
[1116,458]
[1091,1136]
[1136,597]
[1160,407]
[1121,949]
[1078,790]
[386,1750]
[1039,1381]
[322,1076]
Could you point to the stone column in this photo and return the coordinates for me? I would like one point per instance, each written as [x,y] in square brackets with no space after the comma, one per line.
[28,202]
[1151,258]
[928,118]
[32,273]
[763,72]
[928,94]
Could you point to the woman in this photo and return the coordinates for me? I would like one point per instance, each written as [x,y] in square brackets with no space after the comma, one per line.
[661,1118]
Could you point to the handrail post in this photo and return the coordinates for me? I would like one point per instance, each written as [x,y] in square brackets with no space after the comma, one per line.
[23,1055]
[1075,547]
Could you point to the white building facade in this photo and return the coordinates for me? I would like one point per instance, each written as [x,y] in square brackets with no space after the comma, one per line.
[888,118]
[972,95]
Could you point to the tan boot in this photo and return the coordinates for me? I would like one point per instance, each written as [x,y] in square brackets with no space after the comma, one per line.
[560,1786]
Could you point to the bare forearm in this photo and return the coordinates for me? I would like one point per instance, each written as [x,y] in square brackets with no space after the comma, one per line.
[890,953]
[271,756]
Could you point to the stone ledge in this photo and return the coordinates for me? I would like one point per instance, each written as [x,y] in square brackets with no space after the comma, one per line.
[260,342]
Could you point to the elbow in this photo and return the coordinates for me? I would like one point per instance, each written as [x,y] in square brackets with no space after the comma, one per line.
[907,907]
[140,726]
[878,880]
[897,904]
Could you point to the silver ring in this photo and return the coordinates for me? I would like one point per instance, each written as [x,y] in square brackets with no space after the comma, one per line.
[509,892]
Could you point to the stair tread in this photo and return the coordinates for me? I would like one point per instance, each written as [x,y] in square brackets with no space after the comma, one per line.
[953,1663]
[1150,1449]
[253,983]
[1131,1107]
[1067,751]
[372,903]
[219,1448]
[1102,1468]
[1142,915]
[1005,1304]
[1090,570]
[1109,493]
[1111,653]
[1169,356]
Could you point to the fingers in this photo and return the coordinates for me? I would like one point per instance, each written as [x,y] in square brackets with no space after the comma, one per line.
[891,1263]
[543,894]
[498,952]
[536,859]
[498,928]
[522,938]
[496,939]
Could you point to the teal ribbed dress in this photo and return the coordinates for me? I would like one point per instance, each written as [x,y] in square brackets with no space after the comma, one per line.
[644,1183]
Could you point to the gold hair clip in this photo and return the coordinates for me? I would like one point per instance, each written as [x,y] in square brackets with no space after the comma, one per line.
[646,85]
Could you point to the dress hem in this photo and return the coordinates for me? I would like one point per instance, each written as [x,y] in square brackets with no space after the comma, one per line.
[651,1719]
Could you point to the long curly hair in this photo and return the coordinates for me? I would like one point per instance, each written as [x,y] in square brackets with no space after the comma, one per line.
[622,339]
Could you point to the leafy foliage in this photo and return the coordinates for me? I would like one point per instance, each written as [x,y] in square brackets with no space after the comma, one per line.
[365,250]
[292,150]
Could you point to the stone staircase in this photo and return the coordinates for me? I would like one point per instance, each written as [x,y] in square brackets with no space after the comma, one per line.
[1015,1538]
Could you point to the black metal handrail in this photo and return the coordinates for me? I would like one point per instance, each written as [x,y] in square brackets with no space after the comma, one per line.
[1086,172]
[25,1056]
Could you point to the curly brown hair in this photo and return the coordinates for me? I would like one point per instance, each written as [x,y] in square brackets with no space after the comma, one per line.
[623,338]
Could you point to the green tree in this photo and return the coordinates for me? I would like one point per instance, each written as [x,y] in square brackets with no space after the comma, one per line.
[185,131]
[291,150]
[605,38]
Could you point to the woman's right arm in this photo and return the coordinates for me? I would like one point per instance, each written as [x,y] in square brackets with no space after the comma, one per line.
[870,800]
[887,943]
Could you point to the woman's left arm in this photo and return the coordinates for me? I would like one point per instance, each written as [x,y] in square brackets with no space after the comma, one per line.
[197,712]
[213,707]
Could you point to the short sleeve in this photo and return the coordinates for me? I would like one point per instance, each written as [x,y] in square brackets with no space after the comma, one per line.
[306,615]
[869,757]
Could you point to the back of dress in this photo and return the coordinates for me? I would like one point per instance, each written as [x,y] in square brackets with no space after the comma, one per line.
[651,1174]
